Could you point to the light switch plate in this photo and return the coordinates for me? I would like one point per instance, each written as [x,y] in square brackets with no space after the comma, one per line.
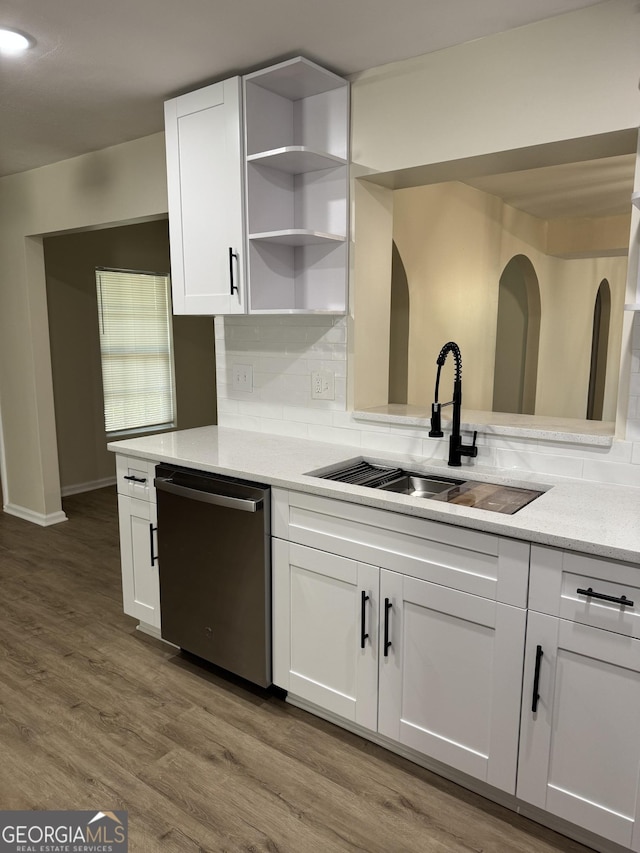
[242,377]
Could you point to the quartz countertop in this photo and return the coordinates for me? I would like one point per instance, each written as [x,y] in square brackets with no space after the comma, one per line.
[597,433]
[593,518]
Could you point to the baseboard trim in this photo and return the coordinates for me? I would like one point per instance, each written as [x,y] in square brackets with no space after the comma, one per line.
[91,486]
[42,519]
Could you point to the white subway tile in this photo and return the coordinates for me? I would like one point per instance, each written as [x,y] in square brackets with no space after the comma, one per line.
[633,429]
[280,427]
[635,455]
[345,419]
[239,422]
[308,415]
[634,384]
[391,443]
[611,472]
[226,405]
[334,435]
[260,409]
[635,361]
[561,466]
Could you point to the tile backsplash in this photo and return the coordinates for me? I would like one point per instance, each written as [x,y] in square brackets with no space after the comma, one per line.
[285,351]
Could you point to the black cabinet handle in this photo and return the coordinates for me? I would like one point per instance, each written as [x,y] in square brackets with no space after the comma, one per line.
[536,679]
[623,600]
[232,255]
[387,641]
[152,530]
[363,635]
[135,479]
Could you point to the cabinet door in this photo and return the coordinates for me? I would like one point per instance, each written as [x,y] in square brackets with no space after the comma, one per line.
[138,550]
[204,184]
[580,748]
[451,676]
[325,611]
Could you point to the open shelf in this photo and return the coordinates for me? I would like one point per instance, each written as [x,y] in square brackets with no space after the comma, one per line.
[296,78]
[297,237]
[297,188]
[296,159]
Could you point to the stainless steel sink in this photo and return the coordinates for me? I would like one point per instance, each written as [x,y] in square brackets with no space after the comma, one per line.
[419,486]
[469,493]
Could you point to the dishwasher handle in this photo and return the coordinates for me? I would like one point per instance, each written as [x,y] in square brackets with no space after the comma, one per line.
[166,484]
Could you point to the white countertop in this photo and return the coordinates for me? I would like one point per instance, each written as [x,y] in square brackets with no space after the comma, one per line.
[593,518]
[597,433]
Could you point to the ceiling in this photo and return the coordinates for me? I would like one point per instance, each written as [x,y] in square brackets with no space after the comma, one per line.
[591,188]
[99,72]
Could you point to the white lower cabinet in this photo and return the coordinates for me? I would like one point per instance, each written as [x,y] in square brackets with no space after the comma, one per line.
[580,747]
[433,668]
[139,561]
[321,651]
[450,676]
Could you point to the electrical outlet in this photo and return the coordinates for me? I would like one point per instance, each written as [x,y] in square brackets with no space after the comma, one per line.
[242,377]
[322,385]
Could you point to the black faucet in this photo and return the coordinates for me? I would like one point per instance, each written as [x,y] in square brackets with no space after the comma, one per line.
[456,448]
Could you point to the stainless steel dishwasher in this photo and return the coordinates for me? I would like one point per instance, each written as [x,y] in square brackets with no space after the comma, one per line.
[214,558]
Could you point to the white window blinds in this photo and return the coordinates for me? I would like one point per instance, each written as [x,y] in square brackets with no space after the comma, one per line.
[134,318]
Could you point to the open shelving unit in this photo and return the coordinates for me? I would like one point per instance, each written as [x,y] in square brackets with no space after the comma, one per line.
[297,183]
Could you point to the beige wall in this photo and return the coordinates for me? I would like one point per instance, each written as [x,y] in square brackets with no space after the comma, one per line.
[70,262]
[561,90]
[125,183]
[572,76]
[455,242]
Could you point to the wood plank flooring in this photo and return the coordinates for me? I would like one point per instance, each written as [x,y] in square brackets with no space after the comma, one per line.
[94,715]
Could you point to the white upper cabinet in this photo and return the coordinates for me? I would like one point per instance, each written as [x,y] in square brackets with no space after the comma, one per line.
[297,181]
[205,188]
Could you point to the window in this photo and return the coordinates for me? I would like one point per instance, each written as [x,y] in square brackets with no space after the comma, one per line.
[134,318]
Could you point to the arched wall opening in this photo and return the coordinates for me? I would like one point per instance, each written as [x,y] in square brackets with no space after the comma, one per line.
[599,349]
[398,330]
[517,338]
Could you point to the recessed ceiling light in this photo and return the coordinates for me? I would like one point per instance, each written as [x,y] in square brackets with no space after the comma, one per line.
[13,41]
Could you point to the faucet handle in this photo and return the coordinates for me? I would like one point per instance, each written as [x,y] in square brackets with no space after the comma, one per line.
[471,449]
[436,425]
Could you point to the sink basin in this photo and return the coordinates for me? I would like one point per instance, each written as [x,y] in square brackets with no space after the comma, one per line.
[470,493]
[419,486]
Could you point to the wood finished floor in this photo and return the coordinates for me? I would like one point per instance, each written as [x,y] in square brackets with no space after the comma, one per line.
[93,715]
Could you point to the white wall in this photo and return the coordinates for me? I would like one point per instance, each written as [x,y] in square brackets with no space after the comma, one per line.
[569,77]
[535,92]
[564,78]
[124,183]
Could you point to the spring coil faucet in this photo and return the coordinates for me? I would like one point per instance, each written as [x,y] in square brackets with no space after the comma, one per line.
[456,448]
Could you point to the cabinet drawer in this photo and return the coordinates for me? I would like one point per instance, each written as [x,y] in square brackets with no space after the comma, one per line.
[580,588]
[478,563]
[135,478]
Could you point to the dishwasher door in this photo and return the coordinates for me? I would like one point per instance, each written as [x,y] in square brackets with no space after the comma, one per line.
[214,551]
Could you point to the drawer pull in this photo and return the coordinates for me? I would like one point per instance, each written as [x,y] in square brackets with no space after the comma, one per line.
[536,679]
[387,642]
[623,601]
[135,479]
[363,634]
